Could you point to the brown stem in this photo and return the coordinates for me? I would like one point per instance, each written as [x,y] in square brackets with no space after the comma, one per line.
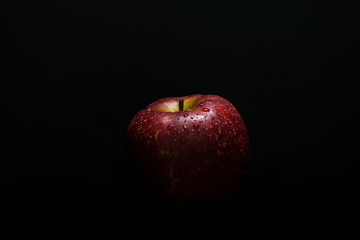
[181,105]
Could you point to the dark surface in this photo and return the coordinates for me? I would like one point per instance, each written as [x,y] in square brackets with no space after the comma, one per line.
[74,74]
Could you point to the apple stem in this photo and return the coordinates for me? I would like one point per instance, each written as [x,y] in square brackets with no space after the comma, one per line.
[181,105]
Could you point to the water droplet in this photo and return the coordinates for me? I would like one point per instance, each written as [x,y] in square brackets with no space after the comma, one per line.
[205,110]
[178,133]
[191,117]
[201,121]
[185,115]
[196,126]
[186,130]
[169,127]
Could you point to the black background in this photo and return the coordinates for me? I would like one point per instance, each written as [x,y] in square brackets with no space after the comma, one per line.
[75,73]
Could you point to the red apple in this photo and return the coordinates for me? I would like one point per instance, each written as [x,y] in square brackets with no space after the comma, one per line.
[191,151]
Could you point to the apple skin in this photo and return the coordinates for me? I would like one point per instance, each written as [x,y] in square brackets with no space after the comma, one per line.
[195,157]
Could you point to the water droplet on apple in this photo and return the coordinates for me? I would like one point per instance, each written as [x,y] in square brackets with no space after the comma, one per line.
[205,110]
[200,121]
[185,115]
[186,130]
[178,132]
[196,126]
[169,127]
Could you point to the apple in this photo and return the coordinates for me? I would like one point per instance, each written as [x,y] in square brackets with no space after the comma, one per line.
[191,150]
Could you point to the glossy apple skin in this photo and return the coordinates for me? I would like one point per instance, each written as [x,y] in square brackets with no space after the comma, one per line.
[196,157]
